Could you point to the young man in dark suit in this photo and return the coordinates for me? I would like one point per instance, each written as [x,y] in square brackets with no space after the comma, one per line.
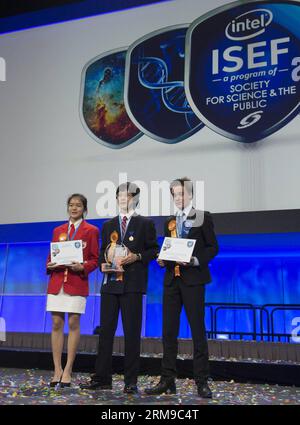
[124,291]
[184,285]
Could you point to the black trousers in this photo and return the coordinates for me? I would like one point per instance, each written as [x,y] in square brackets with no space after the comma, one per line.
[131,306]
[175,296]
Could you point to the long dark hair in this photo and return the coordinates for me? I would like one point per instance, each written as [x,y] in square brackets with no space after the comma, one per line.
[82,199]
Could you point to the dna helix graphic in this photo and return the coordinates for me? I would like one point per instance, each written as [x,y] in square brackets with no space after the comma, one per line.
[153,74]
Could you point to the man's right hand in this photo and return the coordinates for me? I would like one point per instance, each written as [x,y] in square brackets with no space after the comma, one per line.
[161,263]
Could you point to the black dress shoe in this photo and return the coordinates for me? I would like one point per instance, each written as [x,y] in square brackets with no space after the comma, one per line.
[130,389]
[96,385]
[165,386]
[203,390]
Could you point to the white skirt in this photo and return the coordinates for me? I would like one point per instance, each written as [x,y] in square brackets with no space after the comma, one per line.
[66,303]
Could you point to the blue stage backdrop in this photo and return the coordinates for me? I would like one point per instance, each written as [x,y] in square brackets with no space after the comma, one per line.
[250,269]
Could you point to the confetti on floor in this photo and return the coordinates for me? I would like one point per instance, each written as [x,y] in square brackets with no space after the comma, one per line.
[19,386]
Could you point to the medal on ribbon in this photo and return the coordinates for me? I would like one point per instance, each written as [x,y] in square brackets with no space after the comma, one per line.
[172,230]
[63,237]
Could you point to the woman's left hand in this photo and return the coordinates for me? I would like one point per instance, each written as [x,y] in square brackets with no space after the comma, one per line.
[76,267]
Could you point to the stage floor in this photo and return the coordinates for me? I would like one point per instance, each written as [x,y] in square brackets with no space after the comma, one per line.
[19,386]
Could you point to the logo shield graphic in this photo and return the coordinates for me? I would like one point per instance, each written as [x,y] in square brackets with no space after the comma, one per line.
[102,109]
[154,88]
[243,68]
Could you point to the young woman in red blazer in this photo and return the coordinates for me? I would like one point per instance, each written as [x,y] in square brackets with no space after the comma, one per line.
[68,286]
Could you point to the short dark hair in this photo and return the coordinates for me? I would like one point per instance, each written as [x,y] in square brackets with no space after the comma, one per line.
[82,199]
[130,188]
[184,182]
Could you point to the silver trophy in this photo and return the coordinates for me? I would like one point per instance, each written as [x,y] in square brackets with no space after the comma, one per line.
[113,255]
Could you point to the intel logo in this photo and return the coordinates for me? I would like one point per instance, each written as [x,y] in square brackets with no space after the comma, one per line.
[249,24]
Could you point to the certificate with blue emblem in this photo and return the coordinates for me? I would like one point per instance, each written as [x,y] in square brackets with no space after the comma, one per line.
[177,249]
[67,252]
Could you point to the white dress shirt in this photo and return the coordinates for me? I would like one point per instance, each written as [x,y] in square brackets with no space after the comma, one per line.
[184,214]
[121,216]
[76,224]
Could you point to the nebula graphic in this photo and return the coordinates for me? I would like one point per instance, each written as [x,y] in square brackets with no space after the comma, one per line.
[103,109]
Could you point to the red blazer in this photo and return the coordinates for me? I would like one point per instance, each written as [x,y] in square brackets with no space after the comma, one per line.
[75,283]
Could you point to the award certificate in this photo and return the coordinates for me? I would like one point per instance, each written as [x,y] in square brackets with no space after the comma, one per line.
[64,253]
[177,249]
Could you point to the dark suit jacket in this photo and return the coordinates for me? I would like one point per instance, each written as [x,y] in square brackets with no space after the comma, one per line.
[206,248]
[142,231]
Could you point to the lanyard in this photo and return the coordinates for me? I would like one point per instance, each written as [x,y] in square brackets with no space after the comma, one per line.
[73,236]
